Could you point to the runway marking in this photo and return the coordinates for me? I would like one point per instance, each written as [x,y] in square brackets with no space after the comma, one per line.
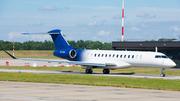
[95,74]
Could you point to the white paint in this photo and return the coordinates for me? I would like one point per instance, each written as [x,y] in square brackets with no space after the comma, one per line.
[141,59]
[122,38]
[34,64]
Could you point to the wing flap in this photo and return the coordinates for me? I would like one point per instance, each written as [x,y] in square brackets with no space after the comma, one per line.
[70,62]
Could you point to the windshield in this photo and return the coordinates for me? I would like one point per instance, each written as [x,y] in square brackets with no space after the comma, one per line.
[161,56]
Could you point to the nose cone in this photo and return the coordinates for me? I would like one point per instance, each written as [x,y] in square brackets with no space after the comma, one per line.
[173,64]
[169,64]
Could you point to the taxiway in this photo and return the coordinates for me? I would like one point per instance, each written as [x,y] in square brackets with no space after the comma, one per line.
[95,74]
[28,91]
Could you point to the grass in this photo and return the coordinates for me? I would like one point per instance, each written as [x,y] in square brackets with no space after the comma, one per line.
[144,71]
[29,54]
[159,84]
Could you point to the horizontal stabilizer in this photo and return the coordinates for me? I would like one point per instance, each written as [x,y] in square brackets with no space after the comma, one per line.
[57,37]
[38,33]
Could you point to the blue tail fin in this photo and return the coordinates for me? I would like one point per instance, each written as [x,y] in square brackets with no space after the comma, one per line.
[59,41]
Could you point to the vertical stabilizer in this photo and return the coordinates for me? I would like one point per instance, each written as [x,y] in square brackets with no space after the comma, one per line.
[59,41]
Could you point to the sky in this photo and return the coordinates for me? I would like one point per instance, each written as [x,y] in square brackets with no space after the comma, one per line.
[96,20]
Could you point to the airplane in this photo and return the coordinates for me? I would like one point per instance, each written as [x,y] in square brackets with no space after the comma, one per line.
[105,59]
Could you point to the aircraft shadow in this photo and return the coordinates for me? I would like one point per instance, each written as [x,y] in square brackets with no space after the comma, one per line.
[114,73]
[72,72]
[123,73]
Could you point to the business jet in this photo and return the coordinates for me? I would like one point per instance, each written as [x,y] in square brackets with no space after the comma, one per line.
[105,59]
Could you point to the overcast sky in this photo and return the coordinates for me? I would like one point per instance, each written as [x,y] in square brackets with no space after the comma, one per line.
[97,20]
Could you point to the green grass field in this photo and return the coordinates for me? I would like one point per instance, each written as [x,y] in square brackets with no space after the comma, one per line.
[159,84]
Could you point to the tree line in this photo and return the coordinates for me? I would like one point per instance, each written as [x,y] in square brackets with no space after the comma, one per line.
[49,45]
[164,39]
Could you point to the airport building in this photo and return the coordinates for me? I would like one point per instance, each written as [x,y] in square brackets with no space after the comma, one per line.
[170,48]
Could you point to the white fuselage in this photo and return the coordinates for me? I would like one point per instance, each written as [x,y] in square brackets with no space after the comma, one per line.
[125,59]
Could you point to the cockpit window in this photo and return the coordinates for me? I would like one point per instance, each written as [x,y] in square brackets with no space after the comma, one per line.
[157,56]
[164,57]
[161,56]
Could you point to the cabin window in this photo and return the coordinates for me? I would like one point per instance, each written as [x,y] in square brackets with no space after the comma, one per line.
[98,55]
[102,55]
[140,56]
[121,56]
[136,56]
[91,54]
[124,56]
[109,55]
[117,56]
[132,56]
[94,55]
[128,56]
[106,55]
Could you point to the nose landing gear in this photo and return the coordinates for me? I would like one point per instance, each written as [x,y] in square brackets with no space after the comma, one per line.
[162,72]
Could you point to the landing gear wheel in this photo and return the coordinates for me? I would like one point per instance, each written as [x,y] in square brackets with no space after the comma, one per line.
[89,71]
[163,75]
[106,71]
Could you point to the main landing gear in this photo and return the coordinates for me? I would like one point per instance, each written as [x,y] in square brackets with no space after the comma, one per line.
[106,71]
[89,70]
[162,72]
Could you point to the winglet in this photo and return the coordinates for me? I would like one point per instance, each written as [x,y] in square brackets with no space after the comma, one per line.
[10,55]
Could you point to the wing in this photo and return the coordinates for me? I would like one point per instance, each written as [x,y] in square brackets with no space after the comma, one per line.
[74,62]
[10,55]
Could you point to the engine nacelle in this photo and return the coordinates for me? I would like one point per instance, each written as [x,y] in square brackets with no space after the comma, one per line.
[66,53]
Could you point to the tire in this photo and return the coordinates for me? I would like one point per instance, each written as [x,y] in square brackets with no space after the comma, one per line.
[89,71]
[106,71]
[163,75]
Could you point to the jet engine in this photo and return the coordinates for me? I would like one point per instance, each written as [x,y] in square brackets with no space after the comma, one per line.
[66,53]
